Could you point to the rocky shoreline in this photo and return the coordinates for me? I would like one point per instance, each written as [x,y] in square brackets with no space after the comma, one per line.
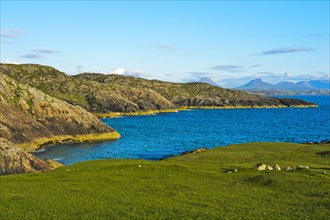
[185,108]
[318,142]
[65,139]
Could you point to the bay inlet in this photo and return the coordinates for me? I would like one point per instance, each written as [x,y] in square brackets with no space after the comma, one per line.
[160,136]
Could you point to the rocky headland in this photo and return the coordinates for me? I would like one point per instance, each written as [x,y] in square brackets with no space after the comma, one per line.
[109,94]
[31,119]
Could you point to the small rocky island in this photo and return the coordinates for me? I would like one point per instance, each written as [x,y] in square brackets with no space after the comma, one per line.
[40,106]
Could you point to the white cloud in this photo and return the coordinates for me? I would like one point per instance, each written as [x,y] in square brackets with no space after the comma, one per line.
[288,75]
[118,71]
[124,72]
[11,62]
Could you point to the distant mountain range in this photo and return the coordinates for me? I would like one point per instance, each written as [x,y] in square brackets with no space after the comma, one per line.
[205,80]
[303,87]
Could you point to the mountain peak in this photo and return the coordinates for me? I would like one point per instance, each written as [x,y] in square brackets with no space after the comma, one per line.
[256,84]
[208,81]
[304,83]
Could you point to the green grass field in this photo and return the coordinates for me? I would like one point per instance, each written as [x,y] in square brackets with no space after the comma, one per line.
[193,186]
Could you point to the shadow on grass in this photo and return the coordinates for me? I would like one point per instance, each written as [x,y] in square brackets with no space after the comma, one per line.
[260,180]
[324,153]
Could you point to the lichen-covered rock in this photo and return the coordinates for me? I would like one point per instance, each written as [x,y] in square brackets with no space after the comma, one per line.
[277,167]
[302,167]
[269,168]
[53,164]
[288,168]
[261,166]
[14,160]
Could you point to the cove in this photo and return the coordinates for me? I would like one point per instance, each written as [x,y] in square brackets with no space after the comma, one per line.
[160,136]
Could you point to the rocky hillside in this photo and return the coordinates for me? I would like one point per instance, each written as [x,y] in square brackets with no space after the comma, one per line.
[114,93]
[28,115]
[192,94]
[14,160]
[91,95]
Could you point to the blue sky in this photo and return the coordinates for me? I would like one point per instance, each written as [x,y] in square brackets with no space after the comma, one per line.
[230,42]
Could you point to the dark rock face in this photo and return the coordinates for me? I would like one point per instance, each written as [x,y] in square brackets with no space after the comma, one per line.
[14,160]
[292,102]
[27,114]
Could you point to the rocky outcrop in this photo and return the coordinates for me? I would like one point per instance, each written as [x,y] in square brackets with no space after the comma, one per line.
[269,168]
[277,167]
[101,93]
[14,160]
[27,114]
[196,151]
[261,166]
[288,168]
[91,95]
[301,167]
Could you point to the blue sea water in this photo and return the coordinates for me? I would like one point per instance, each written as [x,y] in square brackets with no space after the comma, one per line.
[164,135]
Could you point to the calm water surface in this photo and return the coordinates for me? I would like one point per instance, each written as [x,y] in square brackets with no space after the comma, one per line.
[164,135]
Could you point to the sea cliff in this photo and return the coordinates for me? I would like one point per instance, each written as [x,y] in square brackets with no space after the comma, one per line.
[31,119]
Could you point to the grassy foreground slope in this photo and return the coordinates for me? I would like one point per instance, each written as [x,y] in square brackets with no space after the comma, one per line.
[193,186]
